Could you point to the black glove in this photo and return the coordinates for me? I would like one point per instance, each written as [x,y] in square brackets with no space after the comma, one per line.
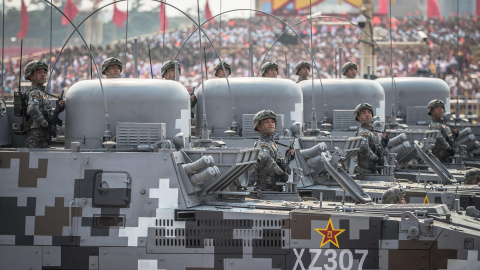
[284,177]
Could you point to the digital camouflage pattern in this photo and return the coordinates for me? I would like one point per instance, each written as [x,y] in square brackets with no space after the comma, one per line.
[445,144]
[32,66]
[267,170]
[38,106]
[472,177]
[392,195]
[264,114]
[110,62]
[226,65]
[268,65]
[171,64]
[370,151]
[348,65]
[434,103]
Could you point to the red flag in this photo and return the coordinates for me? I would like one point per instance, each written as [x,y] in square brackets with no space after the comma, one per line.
[24,20]
[208,13]
[70,11]
[432,9]
[118,16]
[477,10]
[163,18]
[383,7]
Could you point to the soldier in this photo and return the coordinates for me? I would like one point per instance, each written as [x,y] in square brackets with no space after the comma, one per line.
[112,67]
[349,70]
[270,167]
[270,70]
[445,144]
[371,149]
[39,109]
[219,73]
[394,196]
[168,70]
[302,69]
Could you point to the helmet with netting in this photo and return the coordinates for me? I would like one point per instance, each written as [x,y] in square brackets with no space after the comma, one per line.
[110,62]
[361,107]
[34,65]
[434,103]
[171,64]
[226,65]
[347,66]
[268,65]
[300,65]
[265,114]
[393,195]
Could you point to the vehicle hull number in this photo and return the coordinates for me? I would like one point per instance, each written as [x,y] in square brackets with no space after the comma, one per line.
[330,259]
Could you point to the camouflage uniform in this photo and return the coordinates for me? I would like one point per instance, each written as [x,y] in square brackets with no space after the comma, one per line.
[37,126]
[267,169]
[370,153]
[444,145]
[270,163]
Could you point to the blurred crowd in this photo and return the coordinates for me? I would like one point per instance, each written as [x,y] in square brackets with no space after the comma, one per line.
[434,56]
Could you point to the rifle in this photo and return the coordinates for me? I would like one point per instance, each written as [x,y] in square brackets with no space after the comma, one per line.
[53,120]
[289,157]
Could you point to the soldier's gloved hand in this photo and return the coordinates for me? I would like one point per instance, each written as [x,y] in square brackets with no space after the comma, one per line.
[284,177]
[44,123]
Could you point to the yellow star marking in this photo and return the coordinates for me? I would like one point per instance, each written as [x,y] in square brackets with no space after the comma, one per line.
[330,234]
[426,199]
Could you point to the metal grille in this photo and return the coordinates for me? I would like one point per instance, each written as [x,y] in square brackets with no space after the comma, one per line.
[343,119]
[132,134]
[416,114]
[247,125]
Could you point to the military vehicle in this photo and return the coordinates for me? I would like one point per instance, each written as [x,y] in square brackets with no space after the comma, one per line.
[128,191]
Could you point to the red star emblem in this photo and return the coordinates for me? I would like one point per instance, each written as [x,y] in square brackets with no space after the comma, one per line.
[330,234]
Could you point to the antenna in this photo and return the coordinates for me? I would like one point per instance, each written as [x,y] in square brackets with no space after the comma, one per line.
[163,31]
[126,41]
[206,141]
[313,125]
[220,30]
[340,63]
[205,58]
[250,47]
[3,42]
[457,109]
[50,67]
[20,74]
[150,59]
[91,63]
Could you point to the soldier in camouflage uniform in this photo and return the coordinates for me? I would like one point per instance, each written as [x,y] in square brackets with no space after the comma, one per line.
[168,70]
[39,108]
[270,167]
[219,73]
[302,69]
[269,70]
[349,70]
[112,67]
[445,144]
[371,150]
[394,196]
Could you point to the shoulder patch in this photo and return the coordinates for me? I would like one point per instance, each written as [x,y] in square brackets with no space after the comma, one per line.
[363,133]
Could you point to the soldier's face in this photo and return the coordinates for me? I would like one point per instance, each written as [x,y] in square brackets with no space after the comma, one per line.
[271,73]
[351,73]
[437,112]
[39,77]
[266,126]
[170,74]
[303,72]
[113,72]
[220,73]
[365,117]
[401,200]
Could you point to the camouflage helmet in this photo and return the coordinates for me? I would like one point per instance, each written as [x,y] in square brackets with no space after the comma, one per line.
[226,65]
[393,195]
[347,66]
[32,66]
[170,64]
[268,65]
[434,103]
[472,177]
[361,107]
[110,62]
[265,114]
[300,65]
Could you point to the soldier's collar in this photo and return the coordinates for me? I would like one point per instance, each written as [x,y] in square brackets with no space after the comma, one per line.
[266,136]
[366,126]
